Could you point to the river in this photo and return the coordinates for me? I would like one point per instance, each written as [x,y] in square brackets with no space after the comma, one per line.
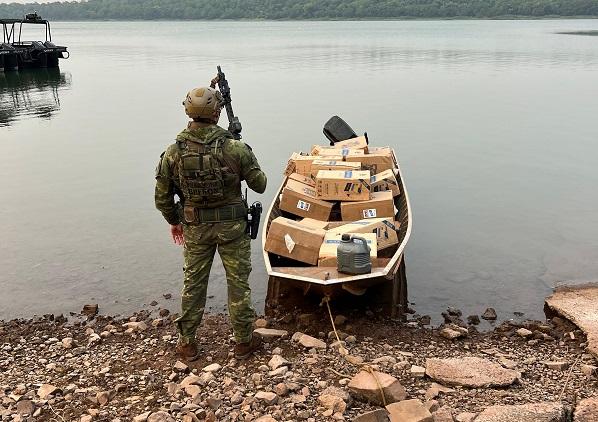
[494,123]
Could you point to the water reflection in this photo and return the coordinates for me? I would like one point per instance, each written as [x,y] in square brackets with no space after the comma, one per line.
[31,93]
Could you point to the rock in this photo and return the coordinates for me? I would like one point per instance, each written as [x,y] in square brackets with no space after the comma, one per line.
[67,342]
[432,406]
[340,320]
[266,418]
[214,402]
[160,416]
[279,372]
[524,332]
[190,380]
[270,334]
[261,323]
[467,417]
[507,363]
[281,389]
[578,304]
[365,387]
[86,418]
[136,326]
[332,402]
[444,414]
[586,410]
[163,312]
[192,390]
[470,372]
[141,418]
[103,397]
[557,365]
[452,331]
[25,407]
[310,342]
[489,314]
[409,411]
[277,361]
[378,415]
[435,390]
[215,367]
[417,371]
[532,412]
[473,320]
[306,319]
[267,397]
[588,370]
[180,366]
[47,390]
[90,310]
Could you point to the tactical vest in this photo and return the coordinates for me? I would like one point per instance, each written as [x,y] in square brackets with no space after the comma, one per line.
[207,178]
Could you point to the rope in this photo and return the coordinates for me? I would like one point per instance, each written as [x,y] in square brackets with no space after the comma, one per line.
[345,352]
[568,376]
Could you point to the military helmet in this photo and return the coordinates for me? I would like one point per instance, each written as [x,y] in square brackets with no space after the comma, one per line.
[202,103]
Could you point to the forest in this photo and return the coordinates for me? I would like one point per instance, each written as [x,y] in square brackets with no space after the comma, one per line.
[300,9]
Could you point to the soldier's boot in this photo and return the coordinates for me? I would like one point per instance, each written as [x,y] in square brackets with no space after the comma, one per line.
[244,350]
[189,351]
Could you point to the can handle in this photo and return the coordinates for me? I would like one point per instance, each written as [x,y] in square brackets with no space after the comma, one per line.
[362,239]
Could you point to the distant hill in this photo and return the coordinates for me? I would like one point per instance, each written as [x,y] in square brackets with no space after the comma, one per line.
[300,9]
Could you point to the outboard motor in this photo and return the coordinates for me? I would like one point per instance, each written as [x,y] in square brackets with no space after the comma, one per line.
[336,130]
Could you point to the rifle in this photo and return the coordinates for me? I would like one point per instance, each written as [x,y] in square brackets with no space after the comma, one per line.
[234,125]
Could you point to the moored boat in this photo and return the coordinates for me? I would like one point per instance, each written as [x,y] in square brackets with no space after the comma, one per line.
[388,267]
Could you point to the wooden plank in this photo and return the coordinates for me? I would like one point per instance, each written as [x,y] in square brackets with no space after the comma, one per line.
[325,273]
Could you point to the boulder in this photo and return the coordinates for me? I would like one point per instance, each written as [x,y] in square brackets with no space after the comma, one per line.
[277,361]
[214,367]
[578,304]
[470,372]
[378,415]
[25,407]
[47,390]
[453,331]
[524,332]
[270,334]
[310,342]
[444,414]
[531,412]
[160,417]
[364,386]
[268,397]
[489,314]
[409,411]
[586,410]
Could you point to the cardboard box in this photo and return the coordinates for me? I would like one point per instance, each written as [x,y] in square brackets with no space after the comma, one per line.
[301,164]
[328,151]
[305,189]
[315,224]
[380,150]
[293,240]
[302,179]
[384,229]
[381,204]
[375,163]
[327,255]
[302,203]
[356,143]
[385,181]
[318,165]
[343,185]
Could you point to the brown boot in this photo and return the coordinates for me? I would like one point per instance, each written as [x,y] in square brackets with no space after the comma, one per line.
[244,350]
[189,351]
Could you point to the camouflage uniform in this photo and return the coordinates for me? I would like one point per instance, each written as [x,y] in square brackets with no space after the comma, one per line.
[202,239]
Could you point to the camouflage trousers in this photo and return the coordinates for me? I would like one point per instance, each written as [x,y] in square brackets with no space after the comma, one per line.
[234,247]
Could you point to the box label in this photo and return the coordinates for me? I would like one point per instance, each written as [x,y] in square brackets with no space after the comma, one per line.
[371,213]
[302,205]
[348,174]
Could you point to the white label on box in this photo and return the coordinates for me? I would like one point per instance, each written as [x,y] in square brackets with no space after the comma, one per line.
[302,205]
[371,213]
[289,242]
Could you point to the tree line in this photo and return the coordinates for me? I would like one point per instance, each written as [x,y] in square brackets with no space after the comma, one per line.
[299,9]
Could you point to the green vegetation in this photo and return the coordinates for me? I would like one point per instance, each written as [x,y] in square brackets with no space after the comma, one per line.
[301,9]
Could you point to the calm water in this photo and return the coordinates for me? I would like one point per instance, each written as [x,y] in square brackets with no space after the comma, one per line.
[495,124]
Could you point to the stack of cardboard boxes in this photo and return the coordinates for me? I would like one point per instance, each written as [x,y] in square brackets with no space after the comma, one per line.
[345,188]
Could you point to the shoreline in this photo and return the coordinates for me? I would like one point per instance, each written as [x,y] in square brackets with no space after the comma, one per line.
[98,367]
[372,19]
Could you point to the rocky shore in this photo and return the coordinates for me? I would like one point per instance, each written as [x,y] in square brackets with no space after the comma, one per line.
[92,367]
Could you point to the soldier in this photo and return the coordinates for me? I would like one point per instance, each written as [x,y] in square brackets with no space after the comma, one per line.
[204,168]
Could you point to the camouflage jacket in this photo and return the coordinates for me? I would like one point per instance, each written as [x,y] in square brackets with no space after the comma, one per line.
[237,153]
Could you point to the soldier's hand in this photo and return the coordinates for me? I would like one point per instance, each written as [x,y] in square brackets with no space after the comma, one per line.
[177,234]
[214,81]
